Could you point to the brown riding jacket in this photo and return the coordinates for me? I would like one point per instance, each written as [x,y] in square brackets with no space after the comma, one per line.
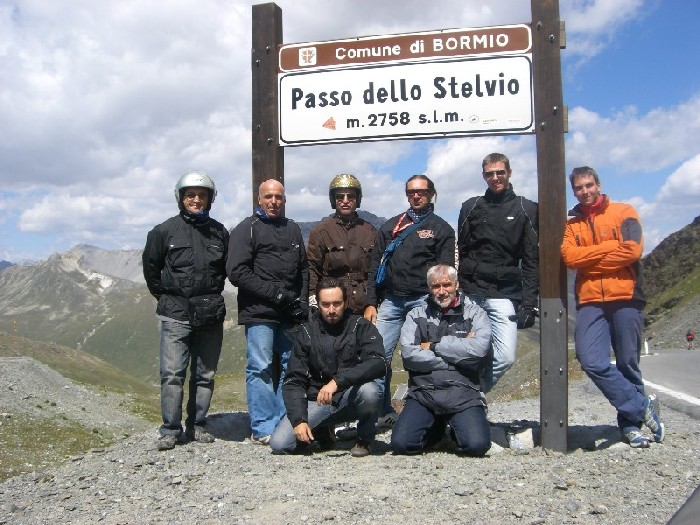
[343,251]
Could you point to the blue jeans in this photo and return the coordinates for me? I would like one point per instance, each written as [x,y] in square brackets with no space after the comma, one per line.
[357,402]
[504,338]
[599,327]
[418,427]
[265,404]
[390,318]
[180,346]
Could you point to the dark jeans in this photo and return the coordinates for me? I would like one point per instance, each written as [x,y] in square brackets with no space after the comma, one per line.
[182,346]
[418,426]
[617,325]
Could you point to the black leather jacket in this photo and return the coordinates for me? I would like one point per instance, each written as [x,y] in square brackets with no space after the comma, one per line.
[184,259]
[266,256]
[351,352]
[498,247]
[432,243]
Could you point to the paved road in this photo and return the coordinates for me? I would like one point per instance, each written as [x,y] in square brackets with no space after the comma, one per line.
[674,374]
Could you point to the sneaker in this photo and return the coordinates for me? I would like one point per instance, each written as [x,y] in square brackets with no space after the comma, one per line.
[325,437]
[361,449]
[652,419]
[347,433]
[166,442]
[199,434]
[262,440]
[636,439]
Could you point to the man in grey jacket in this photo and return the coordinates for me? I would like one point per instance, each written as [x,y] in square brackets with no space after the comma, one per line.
[444,346]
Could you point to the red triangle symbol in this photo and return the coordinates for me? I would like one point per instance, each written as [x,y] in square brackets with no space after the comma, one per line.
[330,124]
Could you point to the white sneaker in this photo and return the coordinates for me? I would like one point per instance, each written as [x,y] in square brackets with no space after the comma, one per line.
[262,440]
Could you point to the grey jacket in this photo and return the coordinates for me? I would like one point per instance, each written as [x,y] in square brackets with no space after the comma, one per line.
[446,377]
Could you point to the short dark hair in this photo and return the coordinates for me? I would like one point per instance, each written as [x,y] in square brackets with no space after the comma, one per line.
[331,282]
[493,158]
[583,171]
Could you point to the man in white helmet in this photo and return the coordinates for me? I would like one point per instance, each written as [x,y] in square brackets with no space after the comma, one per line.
[184,264]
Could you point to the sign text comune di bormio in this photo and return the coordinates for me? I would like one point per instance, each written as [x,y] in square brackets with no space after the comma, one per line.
[419,85]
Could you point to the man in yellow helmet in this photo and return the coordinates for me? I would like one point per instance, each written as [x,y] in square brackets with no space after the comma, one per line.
[341,245]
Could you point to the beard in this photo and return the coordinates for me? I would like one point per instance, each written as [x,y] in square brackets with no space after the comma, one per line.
[445,300]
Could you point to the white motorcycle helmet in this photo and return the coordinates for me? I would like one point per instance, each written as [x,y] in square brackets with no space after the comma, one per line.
[191,179]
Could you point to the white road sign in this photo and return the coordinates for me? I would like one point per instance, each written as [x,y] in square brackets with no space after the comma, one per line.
[408,100]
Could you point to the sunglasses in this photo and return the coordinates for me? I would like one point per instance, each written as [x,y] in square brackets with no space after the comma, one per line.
[340,197]
[190,195]
[420,192]
[497,173]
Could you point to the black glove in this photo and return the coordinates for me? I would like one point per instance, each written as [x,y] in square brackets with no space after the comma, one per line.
[300,312]
[285,299]
[526,317]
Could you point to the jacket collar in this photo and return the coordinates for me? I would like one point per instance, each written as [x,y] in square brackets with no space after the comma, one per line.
[347,224]
[505,195]
[577,211]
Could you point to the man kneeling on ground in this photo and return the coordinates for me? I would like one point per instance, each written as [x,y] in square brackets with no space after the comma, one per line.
[330,377]
[444,346]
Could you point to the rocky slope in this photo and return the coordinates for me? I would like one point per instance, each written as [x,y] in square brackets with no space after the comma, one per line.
[233,481]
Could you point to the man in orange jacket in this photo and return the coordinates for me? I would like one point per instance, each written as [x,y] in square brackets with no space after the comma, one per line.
[603,243]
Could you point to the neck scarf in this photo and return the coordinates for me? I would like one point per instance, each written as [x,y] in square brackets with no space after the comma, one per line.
[453,304]
[415,216]
[593,209]
[260,213]
[196,218]
[418,215]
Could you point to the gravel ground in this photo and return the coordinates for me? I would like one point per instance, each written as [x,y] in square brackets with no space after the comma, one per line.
[599,481]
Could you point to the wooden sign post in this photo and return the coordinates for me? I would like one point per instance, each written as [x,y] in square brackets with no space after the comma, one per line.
[547,38]
[347,63]
[268,155]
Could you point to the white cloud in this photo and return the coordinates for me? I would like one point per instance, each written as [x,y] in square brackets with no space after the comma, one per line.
[592,24]
[683,185]
[104,104]
[632,142]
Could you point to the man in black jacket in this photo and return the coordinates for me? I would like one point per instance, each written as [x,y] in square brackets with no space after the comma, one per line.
[267,262]
[429,240]
[499,261]
[184,267]
[336,357]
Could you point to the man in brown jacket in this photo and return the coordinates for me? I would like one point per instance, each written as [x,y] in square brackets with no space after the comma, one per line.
[341,245]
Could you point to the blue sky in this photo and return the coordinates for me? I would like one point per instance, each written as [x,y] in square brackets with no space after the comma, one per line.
[104,104]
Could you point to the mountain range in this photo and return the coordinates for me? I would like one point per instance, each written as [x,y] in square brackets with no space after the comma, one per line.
[96,300]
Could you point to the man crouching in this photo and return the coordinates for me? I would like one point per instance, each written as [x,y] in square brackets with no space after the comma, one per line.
[329,379]
[444,346]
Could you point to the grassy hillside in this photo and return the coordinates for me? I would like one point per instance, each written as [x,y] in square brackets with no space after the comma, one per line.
[672,272]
